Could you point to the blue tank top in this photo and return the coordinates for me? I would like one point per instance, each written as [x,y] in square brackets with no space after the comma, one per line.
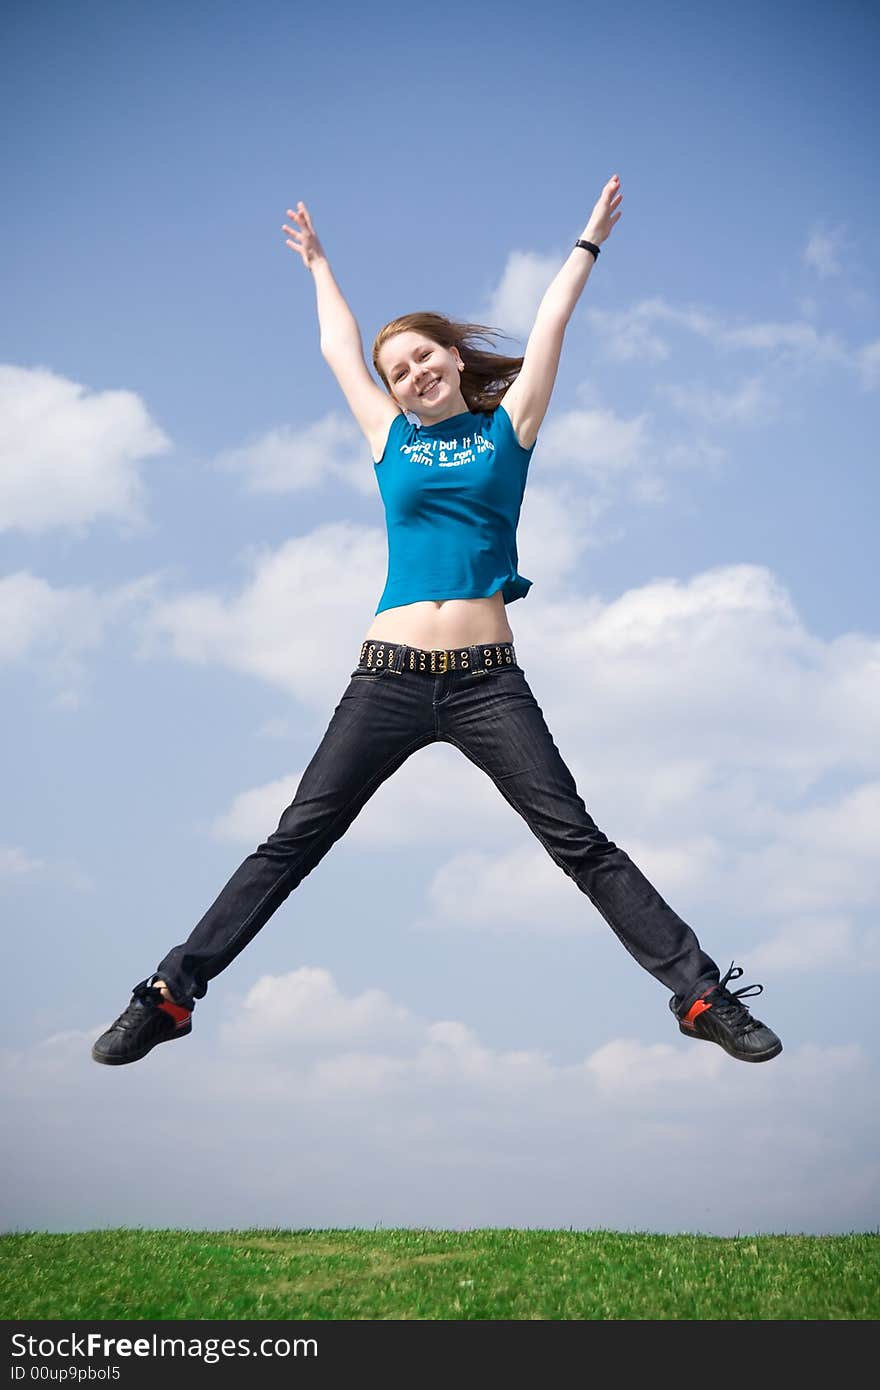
[452,494]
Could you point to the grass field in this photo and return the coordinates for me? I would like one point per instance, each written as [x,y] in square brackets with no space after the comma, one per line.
[404,1274]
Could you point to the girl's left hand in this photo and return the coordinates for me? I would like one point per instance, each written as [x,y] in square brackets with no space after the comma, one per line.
[604,214]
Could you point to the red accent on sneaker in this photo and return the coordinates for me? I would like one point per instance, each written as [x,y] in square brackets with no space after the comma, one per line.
[698,1007]
[177,1012]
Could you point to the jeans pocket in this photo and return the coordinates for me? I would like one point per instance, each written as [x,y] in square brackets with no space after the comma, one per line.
[493,673]
[376,674]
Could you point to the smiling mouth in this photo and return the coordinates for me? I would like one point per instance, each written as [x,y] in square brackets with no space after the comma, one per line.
[430,388]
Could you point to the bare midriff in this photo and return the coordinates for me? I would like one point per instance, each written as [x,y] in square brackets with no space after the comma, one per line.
[435,625]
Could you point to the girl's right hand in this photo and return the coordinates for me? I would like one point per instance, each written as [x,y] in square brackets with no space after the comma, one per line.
[305,240]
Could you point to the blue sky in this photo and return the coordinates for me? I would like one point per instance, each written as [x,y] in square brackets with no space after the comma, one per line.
[193,547]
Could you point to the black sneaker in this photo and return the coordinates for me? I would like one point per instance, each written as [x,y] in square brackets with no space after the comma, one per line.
[149,1019]
[718,1016]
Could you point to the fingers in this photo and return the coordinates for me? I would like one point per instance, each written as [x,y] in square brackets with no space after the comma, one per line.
[302,231]
[301,214]
[299,243]
[610,198]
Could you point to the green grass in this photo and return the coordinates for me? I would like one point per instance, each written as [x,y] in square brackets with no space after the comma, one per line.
[522,1274]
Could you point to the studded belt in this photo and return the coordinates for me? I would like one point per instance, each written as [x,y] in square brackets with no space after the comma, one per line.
[395,656]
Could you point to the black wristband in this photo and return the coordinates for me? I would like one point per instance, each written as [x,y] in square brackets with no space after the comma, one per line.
[588,246]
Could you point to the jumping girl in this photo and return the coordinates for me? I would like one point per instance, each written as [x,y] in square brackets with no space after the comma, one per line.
[452,435]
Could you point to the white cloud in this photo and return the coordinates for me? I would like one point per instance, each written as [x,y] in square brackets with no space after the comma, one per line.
[628,334]
[695,454]
[820,252]
[293,623]
[869,364]
[788,877]
[697,720]
[797,340]
[53,630]
[301,1037]
[302,1021]
[34,615]
[852,824]
[594,444]
[16,862]
[433,798]
[718,667]
[749,404]
[285,459]
[306,1010]
[254,813]
[821,858]
[557,524]
[522,887]
[70,457]
[514,301]
[607,460]
[293,1023]
[685,866]
[808,944]
[625,1067]
[696,716]
[349,1109]
[275,728]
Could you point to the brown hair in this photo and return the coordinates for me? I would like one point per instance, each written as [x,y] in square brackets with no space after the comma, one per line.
[486,375]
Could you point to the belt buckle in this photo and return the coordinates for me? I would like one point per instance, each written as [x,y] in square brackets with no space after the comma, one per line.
[440,662]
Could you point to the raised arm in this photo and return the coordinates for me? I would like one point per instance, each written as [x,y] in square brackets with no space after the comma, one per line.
[341,344]
[527,399]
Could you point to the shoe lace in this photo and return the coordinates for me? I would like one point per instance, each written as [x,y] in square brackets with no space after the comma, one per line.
[726,1002]
[133,1013]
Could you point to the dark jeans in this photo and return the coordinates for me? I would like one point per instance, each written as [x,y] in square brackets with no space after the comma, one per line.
[493,718]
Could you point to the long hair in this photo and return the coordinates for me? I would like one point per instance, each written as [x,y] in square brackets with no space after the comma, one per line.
[486,375]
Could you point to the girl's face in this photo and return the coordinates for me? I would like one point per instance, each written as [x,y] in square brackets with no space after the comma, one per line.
[424,377]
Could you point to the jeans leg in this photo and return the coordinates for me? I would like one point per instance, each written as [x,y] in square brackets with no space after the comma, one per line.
[496,722]
[377,724]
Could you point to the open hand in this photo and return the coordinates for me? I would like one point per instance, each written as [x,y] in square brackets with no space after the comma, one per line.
[605,214]
[305,239]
